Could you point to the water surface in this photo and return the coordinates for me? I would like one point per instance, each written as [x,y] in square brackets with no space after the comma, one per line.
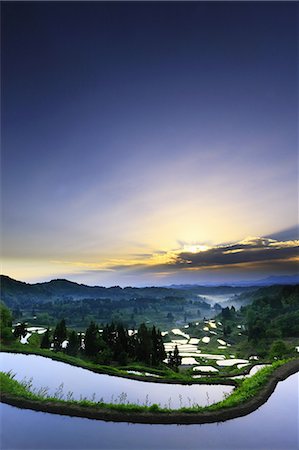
[274,426]
[46,372]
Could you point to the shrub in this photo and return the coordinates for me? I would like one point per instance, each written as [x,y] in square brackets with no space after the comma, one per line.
[154,407]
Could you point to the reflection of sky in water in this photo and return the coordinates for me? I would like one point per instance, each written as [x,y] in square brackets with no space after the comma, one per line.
[49,373]
[273,426]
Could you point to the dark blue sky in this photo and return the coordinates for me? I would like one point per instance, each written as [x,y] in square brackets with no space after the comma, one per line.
[131,128]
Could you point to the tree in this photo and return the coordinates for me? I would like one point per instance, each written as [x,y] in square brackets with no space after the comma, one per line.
[104,357]
[5,323]
[177,357]
[279,350]
[121,341]
[226,314]
[116,336]
[92,340]
[46,343]
[154,355]
[122,358]
[256,329]
[158,351]
[144,345]
[60,334]
[226,330]
[161,354]
[74,343]
[109,334]
[20,330]
[174,360]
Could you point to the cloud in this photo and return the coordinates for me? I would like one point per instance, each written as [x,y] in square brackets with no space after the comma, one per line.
[249,250]
[287,234]
[252,250]
[252,256]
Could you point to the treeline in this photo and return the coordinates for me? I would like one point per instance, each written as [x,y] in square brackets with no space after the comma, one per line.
[274,316]
[114,344]
[5,323]
[270,323]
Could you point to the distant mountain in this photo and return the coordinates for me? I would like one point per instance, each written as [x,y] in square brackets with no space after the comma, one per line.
[12,289]
[282,279]
[17,292]
[211,289]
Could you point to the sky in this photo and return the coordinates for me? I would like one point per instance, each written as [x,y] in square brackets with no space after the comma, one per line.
[149,143]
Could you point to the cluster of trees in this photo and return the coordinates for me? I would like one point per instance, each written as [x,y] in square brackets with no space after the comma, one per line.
[228,313]
[228,316]
[112,344]
[279,349]
[5,323]
[59,336]
[274,316]
[269,322]
[268,325]
[145,346]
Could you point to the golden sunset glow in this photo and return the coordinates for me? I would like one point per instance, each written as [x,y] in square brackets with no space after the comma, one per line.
[251,254]
[195,248]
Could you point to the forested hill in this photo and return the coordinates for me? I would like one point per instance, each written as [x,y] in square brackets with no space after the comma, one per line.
[290,292]
[12,290]
[274,312]
[268,325]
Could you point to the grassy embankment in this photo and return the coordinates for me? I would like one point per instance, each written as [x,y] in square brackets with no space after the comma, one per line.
[247,390]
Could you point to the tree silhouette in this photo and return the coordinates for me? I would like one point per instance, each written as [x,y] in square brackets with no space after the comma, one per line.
[46,343]
[60,334]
